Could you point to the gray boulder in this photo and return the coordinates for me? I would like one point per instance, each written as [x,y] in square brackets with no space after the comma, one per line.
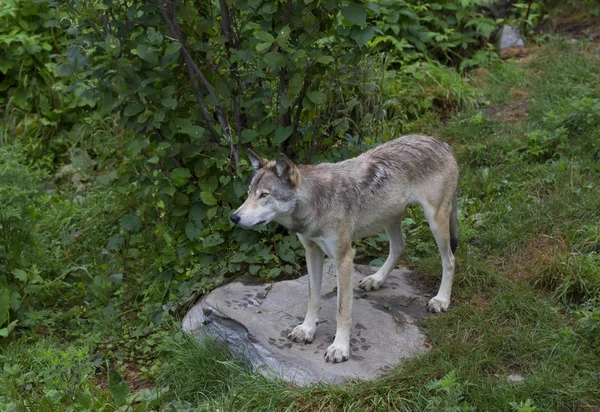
[510,36]
[254,319]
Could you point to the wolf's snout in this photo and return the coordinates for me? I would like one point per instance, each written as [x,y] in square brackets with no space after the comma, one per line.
[235,218]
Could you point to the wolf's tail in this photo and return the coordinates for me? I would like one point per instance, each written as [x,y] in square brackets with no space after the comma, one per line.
[454,226]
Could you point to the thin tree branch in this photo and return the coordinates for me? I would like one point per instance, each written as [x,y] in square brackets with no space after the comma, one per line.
[175,29]
[293,137]
[193,70]
[227,30]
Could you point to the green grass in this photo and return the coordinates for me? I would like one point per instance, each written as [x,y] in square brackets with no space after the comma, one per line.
[525,302]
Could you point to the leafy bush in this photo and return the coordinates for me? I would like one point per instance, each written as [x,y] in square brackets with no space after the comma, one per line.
[278,76]
[19,201]
[40,111]
[446,31]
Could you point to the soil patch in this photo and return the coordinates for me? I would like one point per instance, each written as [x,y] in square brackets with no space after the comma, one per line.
[578,21]
[514,112]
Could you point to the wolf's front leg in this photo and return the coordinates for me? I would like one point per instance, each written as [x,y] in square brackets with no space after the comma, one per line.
[340,349]
[314,262]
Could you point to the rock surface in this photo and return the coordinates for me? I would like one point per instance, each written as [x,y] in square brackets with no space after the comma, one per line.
[254,320]
[510,36]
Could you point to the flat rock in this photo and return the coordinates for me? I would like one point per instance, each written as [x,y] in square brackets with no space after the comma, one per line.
[254,319]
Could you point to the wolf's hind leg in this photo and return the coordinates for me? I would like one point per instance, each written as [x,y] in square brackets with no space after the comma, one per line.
[394,232]
[439,222]
[314,261]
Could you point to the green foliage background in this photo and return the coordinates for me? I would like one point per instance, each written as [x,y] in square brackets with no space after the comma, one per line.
[122,155]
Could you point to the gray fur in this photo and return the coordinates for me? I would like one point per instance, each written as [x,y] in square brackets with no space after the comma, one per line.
[331,204]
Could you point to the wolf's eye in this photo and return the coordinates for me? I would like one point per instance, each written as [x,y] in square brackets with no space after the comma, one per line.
[263,195]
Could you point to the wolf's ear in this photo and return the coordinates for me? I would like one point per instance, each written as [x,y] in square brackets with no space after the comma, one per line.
[287,170]
[256,160]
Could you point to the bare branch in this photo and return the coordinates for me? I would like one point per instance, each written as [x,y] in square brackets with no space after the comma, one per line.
[294,137]
[193,70]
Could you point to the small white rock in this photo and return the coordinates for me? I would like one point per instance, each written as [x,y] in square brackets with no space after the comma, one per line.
[516,378]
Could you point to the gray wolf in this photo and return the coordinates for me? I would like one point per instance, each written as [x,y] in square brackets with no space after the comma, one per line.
[329,205]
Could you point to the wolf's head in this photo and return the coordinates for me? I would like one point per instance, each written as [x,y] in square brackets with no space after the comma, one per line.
[272,191]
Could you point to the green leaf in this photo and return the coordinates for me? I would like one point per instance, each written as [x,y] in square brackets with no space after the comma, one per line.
[106,178]
[325,60]
[269,7]
[274,59]
[295,84]
[261,47]
[192,130]
[248,135]
[171,54]
[286,254]
[208,198]
[282,133]
[117,387]
[239,188]
[135,147]
[225,180]
[212,212]
[362,36]
[147,53]
[197,212]
[116,242]
[20,275]
[212,240]
[179,211]
[172,48]
[180,176]
[192,230]
[182,199]
[169,190]
[170,103]
[4,305]
[4,332]
[131,222]
[264,36]
[5,66]
[210,185]
[15,299]
[154,37]
[65,69]
[355,13]
[315,96]
[133,109]
[238,257]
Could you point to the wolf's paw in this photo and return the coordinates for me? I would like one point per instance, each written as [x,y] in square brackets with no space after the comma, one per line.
[302,334]
[370,283]
[438,304]
[337,353]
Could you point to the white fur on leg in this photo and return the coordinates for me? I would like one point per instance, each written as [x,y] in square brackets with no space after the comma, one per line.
[440,228]
[303,333]
[372,282]
[338,351]
[438,304]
